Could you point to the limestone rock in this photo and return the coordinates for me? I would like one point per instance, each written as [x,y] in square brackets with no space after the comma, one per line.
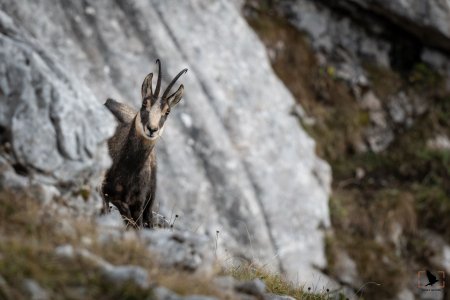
[400,109]
[115,274]
[55,125]
[232,157]
[427,20]
[180,250]
[350,30]
[440,142]
[255,287]
[121,274]
[341,41]
[34,290]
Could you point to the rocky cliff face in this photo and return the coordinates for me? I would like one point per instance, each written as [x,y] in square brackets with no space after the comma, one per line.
[349,35]
[233,159]
[53,129]
[427,21]
[373,77]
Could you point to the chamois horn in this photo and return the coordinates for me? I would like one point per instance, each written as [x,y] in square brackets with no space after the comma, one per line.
[166,92]
[158,83]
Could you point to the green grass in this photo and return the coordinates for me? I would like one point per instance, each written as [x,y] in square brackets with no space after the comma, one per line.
[275,283]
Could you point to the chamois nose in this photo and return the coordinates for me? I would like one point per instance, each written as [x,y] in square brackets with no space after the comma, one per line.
[152,130]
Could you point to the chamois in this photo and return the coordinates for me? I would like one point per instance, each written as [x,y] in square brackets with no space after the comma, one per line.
[130,183]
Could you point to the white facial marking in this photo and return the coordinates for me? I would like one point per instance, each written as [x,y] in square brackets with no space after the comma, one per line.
[155,115]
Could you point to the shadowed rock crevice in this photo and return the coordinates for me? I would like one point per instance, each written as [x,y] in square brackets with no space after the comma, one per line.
[406,45]
[417,18]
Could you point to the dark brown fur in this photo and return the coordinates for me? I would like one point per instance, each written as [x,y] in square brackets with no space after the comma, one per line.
[130,183]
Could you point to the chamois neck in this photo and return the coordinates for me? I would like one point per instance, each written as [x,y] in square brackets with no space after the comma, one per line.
[136,149]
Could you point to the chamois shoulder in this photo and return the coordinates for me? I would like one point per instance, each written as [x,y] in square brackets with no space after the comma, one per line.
[122,112]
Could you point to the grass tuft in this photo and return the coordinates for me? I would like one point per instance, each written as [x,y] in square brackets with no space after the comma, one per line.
[275,283]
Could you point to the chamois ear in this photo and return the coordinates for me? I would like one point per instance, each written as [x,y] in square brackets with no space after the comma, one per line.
[173,99]
[146,89]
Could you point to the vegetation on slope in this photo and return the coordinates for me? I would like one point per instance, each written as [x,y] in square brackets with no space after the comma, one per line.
[30,233]
[379,215]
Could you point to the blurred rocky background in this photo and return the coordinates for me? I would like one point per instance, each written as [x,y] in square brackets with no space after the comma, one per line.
[313,138]
[373,87]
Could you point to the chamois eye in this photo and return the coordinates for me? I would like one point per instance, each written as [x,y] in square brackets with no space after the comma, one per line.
[167,112]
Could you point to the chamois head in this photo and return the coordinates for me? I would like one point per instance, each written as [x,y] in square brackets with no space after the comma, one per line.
[155,109]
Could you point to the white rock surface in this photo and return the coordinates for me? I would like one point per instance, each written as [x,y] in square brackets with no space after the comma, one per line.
[115,274]
[180,250]
[233,159]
